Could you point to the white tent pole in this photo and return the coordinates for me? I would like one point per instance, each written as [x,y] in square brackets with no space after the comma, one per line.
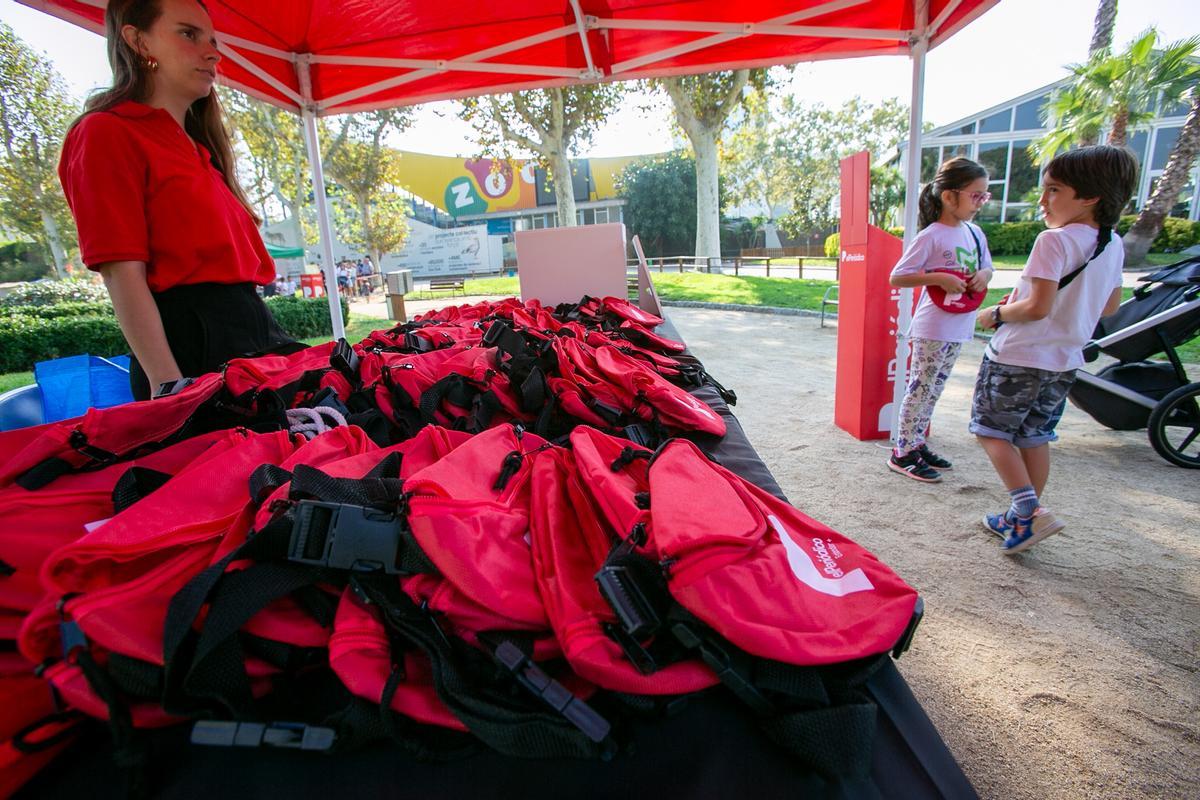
[308,115]
[912,190]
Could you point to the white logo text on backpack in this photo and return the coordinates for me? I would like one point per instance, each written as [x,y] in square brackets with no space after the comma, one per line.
[835,582]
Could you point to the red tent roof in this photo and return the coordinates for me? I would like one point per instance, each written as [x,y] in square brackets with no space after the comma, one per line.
[367,54]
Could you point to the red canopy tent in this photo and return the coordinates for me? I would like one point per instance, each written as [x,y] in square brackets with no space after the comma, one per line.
[319,57]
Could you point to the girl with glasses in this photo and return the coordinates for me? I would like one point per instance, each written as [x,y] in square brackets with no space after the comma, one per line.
[949,258]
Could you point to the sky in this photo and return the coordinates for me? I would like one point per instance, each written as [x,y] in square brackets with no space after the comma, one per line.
[1017,46]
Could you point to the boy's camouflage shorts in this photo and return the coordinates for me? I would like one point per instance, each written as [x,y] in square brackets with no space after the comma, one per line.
[1019,404]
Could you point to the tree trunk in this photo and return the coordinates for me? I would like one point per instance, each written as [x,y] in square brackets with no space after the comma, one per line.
[55,241]
[1119,134]
[708,207]
[564,189]
[1102,28]
[1172,181]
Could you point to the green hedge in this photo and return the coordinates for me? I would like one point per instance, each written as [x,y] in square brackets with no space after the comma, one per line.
[1011,238]
[31,336]
[1177,234]
[26,340]
[48,293]
[302,318]
[71,309]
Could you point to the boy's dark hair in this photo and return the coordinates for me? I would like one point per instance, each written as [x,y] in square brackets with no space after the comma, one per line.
[953,174]
[1102,171]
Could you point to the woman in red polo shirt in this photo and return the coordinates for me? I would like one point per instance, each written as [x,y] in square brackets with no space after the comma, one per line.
[149,174]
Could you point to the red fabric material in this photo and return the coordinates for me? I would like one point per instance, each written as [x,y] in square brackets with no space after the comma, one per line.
[40,521]
[565,567]
[23,701]
[120,429]
[141,190]
[961,304]
[814,597]
[424,29]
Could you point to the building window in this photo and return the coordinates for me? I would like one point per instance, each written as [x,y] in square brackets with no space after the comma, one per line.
[968,129]
[601,216]
[929,163]
[996,123]
[994,157]
[1164,141]
[1022,172]
[1029,114]
[1137,143]
[955,150]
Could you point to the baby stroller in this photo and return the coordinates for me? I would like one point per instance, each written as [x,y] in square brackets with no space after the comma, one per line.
[1135,392]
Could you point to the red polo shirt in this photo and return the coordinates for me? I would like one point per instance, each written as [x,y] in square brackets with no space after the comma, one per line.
[140,190]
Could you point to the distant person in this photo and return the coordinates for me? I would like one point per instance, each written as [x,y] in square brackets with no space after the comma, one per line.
[149,174]
[948,255]
[1071,279]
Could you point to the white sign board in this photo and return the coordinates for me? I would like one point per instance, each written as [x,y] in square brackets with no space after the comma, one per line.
[431,251]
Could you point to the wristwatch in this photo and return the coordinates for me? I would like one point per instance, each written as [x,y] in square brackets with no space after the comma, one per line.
[996,321]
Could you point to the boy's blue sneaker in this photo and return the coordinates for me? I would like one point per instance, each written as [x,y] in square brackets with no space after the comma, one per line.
[1020,536]
[998,524]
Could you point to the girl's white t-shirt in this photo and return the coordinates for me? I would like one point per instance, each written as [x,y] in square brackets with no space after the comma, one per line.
[1056,342]
[941,246]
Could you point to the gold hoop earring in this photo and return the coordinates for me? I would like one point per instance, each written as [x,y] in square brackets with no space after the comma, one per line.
[150,63]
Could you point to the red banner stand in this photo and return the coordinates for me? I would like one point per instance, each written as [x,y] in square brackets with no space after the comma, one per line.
[867,311]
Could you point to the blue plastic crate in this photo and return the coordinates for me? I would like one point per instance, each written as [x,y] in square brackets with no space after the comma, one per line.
[72,385]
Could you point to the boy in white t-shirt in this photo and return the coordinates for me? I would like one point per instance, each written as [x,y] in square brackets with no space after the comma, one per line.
[1072,278]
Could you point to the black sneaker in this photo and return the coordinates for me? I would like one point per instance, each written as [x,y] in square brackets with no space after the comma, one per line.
[912,465]
[933,459]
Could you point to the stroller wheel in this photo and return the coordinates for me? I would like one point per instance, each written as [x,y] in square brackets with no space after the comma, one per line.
[1174,426]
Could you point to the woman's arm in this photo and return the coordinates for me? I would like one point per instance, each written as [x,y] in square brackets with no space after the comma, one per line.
[140,321]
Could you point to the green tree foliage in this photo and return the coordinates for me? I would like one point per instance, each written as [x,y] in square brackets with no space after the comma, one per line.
[660,198]
[1118,92]
[548,124]
[820,138]
[757,157]
[703,104]
[367,171]
[277,168]
[35,111]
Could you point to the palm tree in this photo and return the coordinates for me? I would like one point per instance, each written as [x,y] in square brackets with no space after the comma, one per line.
[1172,181]
[1102,28]
[1118,92]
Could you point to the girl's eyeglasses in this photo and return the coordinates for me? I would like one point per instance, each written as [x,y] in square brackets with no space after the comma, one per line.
[976,197]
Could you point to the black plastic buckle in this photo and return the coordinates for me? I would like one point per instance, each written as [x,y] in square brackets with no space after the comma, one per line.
[500,335]
[344,359]
[639,434]
[609,414]
[910,631]
[72,638]
[729,666]
[634,611]
[328,398]
[553,693]
[417,344]
[290,735]
[343,536]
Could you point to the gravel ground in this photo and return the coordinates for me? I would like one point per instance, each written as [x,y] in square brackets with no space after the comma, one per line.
[1069,671]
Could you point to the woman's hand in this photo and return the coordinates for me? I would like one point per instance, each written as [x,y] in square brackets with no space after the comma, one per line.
[979,281]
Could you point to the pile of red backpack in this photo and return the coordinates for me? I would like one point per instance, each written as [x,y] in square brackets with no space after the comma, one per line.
[483,528]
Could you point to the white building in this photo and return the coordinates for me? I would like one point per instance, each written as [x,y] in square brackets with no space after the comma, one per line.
[997,138]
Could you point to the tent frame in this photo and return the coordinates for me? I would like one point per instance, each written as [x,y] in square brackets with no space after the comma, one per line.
[915,43]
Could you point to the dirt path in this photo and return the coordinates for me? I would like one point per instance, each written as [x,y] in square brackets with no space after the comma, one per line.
[1068,672]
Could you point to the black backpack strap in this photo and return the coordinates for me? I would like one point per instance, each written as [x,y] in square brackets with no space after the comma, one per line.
[1103,237]
[135,484]
[552,723]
